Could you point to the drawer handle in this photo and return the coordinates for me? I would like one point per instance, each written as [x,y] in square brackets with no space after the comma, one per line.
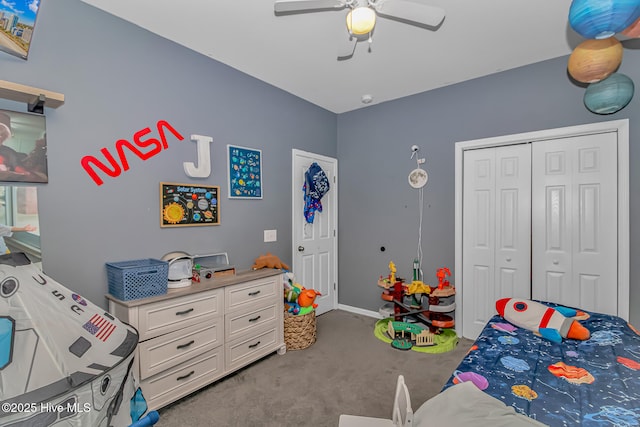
[182,313]
[184,377]
[253,294]
[254,319]
[254,345]
[181,346]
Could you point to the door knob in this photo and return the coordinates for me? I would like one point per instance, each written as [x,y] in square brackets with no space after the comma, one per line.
[300,248]
[555,262]
[508,259]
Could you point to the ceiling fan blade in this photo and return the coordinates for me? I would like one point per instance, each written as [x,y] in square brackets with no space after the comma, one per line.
[304,5]
[411,12]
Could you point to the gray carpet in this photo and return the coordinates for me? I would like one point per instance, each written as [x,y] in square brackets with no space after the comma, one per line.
[348,370]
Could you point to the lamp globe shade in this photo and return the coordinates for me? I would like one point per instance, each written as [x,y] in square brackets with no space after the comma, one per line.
[599,19]
[609,95]
[361,20]
[595,59]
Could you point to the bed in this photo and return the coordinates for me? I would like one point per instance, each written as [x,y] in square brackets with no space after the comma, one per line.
[595,382]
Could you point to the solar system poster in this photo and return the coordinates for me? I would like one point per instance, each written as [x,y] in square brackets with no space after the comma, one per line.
[245,172]
[187,204]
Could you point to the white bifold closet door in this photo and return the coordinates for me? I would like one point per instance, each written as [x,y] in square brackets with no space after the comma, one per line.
[575,222]
[496,230]
[540,220]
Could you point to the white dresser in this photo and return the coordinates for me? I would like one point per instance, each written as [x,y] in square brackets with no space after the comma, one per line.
[193,336]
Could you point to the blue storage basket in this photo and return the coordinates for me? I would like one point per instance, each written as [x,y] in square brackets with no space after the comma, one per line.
[137,279]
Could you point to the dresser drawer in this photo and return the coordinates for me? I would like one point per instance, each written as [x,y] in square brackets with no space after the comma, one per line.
[171,315]
[240,323]
[166,351]
[244,350]
[183,379]
[241,296]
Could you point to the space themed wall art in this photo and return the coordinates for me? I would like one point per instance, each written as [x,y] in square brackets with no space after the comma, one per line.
[244,172]
[188,204]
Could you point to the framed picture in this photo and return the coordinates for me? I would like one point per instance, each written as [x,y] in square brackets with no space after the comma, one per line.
[19,209]
[18,20]
[188,204]
[23,147]
[244,172]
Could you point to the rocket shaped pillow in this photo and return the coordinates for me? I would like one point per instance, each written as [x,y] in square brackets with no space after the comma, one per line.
[551,323]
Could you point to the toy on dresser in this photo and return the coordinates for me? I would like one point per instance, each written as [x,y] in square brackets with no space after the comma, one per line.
[269,261]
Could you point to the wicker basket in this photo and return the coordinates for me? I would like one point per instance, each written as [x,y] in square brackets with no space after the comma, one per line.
[299,331]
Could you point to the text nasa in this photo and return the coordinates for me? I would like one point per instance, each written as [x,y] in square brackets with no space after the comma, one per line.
[145,146]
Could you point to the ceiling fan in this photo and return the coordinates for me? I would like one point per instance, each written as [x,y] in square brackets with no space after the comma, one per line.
[361,17]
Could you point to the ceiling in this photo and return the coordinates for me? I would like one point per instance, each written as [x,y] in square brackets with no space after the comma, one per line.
[298,52]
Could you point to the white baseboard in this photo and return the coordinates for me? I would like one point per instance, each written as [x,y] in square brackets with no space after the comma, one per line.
[357,310]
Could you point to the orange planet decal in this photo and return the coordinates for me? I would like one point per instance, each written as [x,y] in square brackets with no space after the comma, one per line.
[524,391]
[572,374]
[631,364]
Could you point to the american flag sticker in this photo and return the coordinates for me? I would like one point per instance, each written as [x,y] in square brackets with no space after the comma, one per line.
[100,327]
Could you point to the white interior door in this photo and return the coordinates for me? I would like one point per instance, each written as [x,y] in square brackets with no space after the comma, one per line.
[497,230]
[575,258]
[315,244]
[513,222]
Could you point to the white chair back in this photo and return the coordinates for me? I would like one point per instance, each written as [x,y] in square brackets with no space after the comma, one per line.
[402,412]
[402,415]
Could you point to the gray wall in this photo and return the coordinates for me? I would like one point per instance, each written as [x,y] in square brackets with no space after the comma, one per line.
[378,207]
[117,79]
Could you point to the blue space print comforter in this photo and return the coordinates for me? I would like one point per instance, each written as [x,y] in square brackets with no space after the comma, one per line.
[590,383]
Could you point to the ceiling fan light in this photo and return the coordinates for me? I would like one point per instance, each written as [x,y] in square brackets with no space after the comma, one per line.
[361,20]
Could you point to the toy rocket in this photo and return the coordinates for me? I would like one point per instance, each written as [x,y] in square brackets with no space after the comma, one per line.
[551,323]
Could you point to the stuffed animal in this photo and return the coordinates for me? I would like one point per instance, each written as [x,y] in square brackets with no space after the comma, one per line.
[292,307]
[553,324]
[292,292]
[307,298]
[269,261]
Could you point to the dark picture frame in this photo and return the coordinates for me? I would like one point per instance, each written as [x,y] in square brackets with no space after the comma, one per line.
[23,147]
[189,204]
[17,24]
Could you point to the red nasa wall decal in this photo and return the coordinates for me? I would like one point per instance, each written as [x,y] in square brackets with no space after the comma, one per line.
[114,168]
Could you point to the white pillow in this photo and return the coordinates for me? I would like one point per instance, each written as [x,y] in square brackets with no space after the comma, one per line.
[464,405]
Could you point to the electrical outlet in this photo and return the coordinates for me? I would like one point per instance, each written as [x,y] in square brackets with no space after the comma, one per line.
[270,235]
